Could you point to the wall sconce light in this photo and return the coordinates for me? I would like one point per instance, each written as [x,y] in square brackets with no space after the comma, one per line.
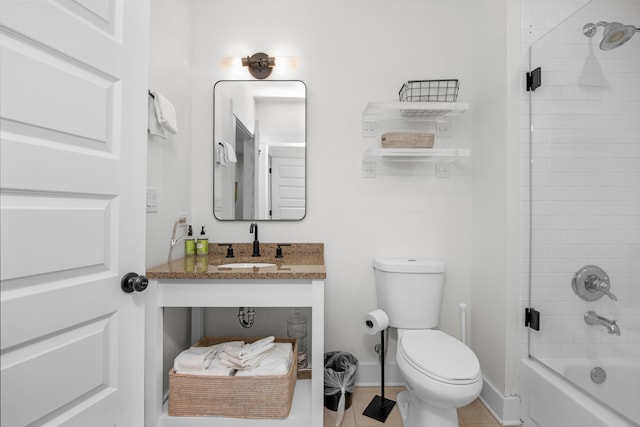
[260,65]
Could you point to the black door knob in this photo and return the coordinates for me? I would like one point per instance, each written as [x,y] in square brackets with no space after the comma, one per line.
[134,282]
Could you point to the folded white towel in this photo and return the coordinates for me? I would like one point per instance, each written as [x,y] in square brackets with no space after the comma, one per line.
[249,356]
[202,358]
[194,359]
[165,112]
[277,362]
[252,350]
[225,153]
[153,126]
[212,372]
[261,343]
[245,364]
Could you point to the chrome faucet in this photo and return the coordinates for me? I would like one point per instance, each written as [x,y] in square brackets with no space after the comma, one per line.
[256,244]
[591,318]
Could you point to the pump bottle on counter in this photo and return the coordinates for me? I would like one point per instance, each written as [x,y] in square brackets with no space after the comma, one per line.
[202,245]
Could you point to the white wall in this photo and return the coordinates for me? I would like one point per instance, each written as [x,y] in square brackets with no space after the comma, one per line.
[169,161]
[350,53]
[357,219]
[495,226]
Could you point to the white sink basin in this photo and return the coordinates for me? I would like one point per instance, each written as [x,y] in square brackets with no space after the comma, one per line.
[247,265]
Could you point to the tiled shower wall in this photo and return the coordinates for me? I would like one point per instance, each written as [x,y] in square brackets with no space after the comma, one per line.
[586,177]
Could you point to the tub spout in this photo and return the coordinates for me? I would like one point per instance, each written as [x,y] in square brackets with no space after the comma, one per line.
[591,318]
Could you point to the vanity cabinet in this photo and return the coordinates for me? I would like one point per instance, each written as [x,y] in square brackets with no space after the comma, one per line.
[307,406]
[434,117]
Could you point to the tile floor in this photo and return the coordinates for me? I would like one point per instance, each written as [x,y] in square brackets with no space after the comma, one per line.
[473,415]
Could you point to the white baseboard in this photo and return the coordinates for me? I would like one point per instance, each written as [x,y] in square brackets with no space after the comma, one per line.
[368,375]
[506,409]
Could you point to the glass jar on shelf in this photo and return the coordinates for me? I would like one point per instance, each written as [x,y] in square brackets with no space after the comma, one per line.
[297,328]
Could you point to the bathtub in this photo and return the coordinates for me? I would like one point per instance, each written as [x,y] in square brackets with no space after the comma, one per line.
[548,400]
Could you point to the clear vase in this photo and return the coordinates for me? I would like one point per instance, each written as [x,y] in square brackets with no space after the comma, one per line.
[297,328]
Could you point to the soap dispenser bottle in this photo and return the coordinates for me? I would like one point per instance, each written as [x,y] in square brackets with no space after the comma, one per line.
[189,243]
[202,246]
[297,328]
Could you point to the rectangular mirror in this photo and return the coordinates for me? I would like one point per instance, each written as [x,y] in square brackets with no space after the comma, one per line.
[259,131]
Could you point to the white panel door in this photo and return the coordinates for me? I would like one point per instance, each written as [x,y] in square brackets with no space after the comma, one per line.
[73,91]
[287,188]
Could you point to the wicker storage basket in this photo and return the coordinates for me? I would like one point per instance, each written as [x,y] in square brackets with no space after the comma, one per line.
[235,397]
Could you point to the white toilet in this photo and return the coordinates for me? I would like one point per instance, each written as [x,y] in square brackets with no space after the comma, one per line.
[440,372]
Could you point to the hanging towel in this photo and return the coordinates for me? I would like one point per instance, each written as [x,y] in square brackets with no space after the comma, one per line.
[226,153]
[153,125]
[165,112]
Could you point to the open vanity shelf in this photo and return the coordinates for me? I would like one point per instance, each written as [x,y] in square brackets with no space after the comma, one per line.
[414,117]
[307,405]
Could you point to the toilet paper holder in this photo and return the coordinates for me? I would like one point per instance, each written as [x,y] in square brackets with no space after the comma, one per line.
[380,407]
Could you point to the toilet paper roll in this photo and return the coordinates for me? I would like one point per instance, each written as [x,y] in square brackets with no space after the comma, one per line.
[376,321]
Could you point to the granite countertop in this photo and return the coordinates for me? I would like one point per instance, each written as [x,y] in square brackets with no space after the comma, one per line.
[299,261]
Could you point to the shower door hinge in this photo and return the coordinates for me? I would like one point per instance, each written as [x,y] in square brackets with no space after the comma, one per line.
[534,79]
[532,318]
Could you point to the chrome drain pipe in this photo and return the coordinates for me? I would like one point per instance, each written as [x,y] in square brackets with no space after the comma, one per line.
[246,319]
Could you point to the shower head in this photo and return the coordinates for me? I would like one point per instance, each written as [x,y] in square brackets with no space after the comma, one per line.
[615,34]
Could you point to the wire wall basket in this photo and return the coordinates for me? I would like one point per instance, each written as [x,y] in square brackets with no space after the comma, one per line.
[429,91]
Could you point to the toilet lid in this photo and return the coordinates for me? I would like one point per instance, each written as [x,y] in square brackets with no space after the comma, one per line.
[439,356]
[408,265]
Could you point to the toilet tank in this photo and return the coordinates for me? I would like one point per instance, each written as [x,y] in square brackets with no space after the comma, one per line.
[410,291]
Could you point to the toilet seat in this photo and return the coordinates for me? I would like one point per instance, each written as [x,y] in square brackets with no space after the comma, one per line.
[439,356]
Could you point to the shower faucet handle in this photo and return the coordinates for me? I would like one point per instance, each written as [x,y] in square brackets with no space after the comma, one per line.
[611,296]
[595,284]
[591,282]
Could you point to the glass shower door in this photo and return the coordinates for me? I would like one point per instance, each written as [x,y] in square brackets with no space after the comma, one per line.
[585,198]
